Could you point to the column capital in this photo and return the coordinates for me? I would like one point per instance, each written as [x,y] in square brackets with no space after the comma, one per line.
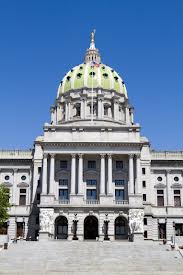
[168,171]
[15,170]
[109,155]
[131,156]
[80,155]
[137,155]
[102,155]
[45,155]
[73,155]
[52,156]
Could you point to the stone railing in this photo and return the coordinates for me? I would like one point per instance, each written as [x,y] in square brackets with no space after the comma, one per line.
[15,154]
[92,202]
[63,201]
[121,202]
[168,155]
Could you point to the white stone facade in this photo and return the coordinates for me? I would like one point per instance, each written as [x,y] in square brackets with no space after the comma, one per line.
[92,175]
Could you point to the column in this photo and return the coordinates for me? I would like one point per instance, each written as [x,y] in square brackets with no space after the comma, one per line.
[44,178]
[80,175]
[69,110]
[116,109]
[102,175]
[127,115]
[138,184]
[14,193]
[66,111]
[169,194]
[131,175]
[73,174]
[52,174]
[109,181]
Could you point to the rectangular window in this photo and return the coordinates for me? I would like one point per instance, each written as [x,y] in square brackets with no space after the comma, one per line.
[22,198]
[91,164]
[177,200]
[145,221]
[145,234]
[144,183]
[119,194]
[160,198]
[39,170]
[63,182]
[91,194]
[144,197]
[63,164]
[179,229]
[91,182]
[119,182]
[63,194]
[119,164]
[143,171]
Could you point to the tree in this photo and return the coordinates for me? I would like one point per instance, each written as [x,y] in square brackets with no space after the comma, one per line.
[4,204]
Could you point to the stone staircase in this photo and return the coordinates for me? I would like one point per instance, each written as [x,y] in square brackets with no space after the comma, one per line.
[90,257]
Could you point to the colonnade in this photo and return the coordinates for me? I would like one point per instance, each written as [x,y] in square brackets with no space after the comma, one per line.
[134,174]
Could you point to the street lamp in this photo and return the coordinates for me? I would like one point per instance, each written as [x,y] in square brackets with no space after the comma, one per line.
[106,222]
[75,221]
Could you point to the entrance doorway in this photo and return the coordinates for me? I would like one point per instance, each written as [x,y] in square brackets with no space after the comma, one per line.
[162,231]
[90,228]
[121,228]
[61,228]
[20,229]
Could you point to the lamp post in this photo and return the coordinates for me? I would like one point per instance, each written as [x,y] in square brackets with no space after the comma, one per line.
[106,222]
[75,221]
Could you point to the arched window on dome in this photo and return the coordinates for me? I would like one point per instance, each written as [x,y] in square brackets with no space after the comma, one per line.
[77,110]
[94,108]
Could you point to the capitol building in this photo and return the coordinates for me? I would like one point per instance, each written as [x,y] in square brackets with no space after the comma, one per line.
[92,176]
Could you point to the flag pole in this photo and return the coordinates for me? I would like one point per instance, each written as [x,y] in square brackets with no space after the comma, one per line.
[92,98]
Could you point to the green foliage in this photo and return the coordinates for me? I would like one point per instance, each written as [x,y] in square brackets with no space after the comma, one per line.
[4,204]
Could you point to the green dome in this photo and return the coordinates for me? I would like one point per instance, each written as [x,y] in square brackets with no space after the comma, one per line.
[81,77]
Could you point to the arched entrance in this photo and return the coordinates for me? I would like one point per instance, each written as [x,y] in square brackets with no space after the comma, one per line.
[61,228]
[90,228]
[121,228]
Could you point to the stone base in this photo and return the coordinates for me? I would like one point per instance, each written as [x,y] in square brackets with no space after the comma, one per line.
[43,236]
[76,199]
[47,199]
[135,201]
[106,200]
[138,237]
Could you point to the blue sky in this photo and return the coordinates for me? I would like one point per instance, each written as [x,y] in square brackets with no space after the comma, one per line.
[41,40]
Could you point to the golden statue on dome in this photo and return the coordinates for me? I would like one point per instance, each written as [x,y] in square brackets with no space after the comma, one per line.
[93,36]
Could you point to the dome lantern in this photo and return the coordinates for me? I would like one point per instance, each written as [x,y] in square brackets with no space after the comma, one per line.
[92,54]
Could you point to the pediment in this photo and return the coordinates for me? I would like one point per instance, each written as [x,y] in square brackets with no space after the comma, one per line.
[159,185]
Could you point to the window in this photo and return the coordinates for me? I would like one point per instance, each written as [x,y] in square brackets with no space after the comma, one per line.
[63,194]
[160,197]
[144,197]
[91,164]
[91,182]
[91,194]
[105,110]
[7,177]
[63,164]
[176,179]
[159,178]
[119,194]
[143,171]
[63,182]
[145,221]
[78,110]
[39,170]
[179,229]
[177,200]
[38,183]
[144,183]
[119,182]
[145,234]
[22,198]
[23,177]
[38,197]
[119,164]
